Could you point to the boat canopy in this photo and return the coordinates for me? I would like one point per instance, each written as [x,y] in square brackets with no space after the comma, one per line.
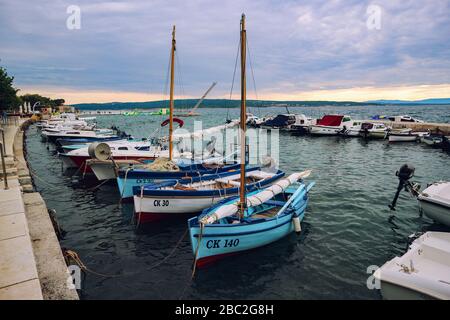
[281,120]
[330,120]
[256,199]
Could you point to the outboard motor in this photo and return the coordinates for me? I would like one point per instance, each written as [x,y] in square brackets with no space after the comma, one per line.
[405,173]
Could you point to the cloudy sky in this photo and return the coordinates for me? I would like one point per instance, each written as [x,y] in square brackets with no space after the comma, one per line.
[300,50]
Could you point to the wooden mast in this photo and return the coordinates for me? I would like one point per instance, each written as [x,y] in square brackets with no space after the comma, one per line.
[243,119]
[172,76]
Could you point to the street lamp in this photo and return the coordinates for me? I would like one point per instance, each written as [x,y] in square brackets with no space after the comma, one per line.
[37,103]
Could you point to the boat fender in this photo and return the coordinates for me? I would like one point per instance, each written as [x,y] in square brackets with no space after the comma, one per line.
[297,226]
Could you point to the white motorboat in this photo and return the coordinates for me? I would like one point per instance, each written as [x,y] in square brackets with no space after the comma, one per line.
[139,151]
[353,130]
[422,273]
[432,140]
[330,125]
[374,130]
[434,202]
[283,121]
[301,125]
[52,135]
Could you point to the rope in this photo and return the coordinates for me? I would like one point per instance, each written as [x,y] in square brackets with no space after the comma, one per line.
[234,75]
[74,256]
[98,186]
[197,250]
[253,76]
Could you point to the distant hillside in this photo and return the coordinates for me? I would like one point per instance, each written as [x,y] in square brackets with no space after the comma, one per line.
[210,103]
[425,101]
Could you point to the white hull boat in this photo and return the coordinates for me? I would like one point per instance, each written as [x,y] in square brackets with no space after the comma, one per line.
[374,130]
[330,125]
[422,273]
[406,135]
[156,201]
[434,202]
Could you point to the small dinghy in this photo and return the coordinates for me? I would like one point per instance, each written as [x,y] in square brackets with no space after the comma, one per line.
[422,273]
[432,140]
[269,215]
[405,135]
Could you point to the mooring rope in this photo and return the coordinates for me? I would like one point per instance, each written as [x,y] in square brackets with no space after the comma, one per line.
[194,268]
[74,256]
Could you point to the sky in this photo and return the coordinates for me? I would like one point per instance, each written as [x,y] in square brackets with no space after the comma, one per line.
[340,50]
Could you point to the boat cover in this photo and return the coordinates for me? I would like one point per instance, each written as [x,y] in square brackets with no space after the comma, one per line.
[256,199]
[330,120]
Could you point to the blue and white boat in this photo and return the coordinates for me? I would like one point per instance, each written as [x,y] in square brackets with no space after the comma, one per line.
[131,177]
[255,218]
[154,202]
[270,215]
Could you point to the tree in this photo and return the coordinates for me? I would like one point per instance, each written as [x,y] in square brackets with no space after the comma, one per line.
[8,94]
[44,101]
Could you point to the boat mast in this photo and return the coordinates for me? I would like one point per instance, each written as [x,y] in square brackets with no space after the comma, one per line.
[172,76]
[243,119]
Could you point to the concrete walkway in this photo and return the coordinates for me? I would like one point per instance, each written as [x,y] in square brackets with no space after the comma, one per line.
[18,272]
[32,266]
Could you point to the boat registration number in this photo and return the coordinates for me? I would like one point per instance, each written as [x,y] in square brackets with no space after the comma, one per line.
[228,243]
[143,181]
[161,203]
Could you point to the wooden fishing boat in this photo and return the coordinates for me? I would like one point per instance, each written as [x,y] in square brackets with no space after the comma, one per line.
[253,218]
[139,175]
[154,202]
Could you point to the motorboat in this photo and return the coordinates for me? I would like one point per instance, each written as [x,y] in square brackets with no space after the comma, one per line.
[434,200]
[353,130]
[117,150]
[371,130]
[401,118]
[330,125]
[432,140]
[52,135]
[422,273]
[301,125]
[285,122]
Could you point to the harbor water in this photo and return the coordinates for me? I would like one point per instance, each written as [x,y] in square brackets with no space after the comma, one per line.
[348,226]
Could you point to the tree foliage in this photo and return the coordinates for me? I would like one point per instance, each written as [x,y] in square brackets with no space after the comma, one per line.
[8,94]
[43,101]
